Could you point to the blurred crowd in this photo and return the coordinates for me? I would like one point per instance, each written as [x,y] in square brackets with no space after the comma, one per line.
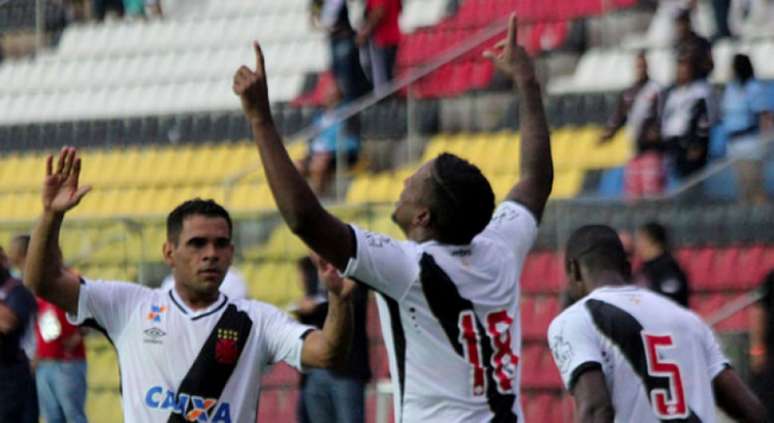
[678,129]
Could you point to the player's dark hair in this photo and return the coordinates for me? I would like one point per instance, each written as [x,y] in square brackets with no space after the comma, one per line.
[657,233]
[598,248]
[743,68]
[23,240]
[461,200]
[197,206]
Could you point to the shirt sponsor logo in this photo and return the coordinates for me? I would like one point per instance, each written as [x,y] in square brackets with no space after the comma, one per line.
[193,408]
[156,312]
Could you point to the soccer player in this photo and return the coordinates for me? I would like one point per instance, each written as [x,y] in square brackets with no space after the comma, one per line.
[189,353]
[449,296]
[628,354]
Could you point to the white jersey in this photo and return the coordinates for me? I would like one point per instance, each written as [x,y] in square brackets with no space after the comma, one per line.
[234,285]
[158,339]
[450,318]
[659,359]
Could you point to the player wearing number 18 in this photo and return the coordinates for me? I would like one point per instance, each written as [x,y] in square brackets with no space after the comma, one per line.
[630,355]
[449,296]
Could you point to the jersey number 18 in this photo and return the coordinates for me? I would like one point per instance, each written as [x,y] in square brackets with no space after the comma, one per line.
[503,361]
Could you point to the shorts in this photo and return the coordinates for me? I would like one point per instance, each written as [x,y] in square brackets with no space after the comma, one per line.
[746,147]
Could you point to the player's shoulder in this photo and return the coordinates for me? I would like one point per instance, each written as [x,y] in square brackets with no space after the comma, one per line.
[510,211]
[257,310]
[573,315]
[377,240]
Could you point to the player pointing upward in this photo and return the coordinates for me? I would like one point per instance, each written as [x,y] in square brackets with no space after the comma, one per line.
[449,296]
[630,355]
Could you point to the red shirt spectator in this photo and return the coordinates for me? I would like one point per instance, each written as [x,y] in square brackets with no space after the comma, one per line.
[57,339]
[387,31]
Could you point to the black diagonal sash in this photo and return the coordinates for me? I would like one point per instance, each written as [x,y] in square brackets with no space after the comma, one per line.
[212,368]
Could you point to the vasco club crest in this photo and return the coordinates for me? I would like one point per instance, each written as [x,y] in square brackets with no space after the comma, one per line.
[226,349]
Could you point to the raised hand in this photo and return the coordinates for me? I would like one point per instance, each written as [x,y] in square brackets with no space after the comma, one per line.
[509,57]
[251,88]
[337,285]
[60,189]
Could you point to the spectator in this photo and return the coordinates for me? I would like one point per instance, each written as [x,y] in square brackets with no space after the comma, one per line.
[320,161]
[747,113]
[17,387]
[333,17]
[687,42]
[687,115]
[60,361]
[333,396]
[659,271]
[234,284]
[762,345]
[100,8]
[381,32]
[638,109]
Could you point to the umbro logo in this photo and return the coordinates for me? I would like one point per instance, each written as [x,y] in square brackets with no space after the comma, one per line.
[153,335]
[155,332]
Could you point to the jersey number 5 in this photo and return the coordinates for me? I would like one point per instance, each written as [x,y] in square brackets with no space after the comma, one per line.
[667,403]
[503,361]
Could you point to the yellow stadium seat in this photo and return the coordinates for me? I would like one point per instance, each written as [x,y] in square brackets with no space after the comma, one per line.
[567,184]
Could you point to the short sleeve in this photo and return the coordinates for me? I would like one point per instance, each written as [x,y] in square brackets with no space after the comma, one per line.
[574,345]
[110,304]
[384,264]
[716,360]
[284,337]
[759,100]
[513,225]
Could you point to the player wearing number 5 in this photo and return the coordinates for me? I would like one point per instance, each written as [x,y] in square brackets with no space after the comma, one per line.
[629,355]
[449,296]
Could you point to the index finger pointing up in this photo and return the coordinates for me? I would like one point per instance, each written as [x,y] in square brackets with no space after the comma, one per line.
[258,57]
[513,30]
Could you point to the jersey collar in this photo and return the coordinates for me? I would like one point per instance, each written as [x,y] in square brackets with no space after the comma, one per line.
[197,314]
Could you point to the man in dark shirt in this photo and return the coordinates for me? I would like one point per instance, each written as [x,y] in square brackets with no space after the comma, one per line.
[18,402]
[638,109]
[332,16]
[333,396]
[660,271]
[689,42]
[762,344]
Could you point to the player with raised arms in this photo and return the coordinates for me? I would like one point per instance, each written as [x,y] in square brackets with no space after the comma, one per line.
[628,354]
[186,353]
[449,295]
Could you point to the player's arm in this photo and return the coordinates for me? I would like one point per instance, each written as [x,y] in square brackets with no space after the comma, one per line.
[329,347]
[44,272]
[303,213]
[592,400]
[536,167]
[736,399]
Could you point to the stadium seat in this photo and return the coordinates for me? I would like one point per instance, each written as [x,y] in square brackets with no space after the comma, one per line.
[543,272]
[537,313]
[280,375]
